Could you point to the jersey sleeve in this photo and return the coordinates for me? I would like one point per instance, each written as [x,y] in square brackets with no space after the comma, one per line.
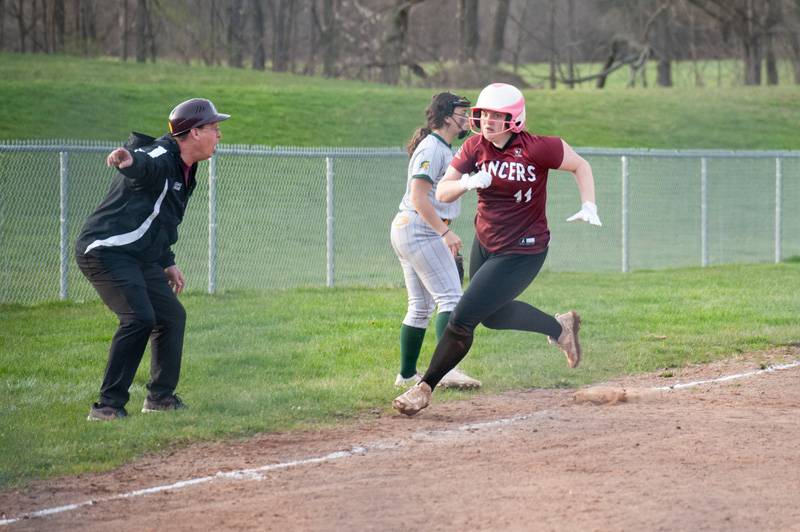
[150,166]
[464,159]
[548,152]
[421,162]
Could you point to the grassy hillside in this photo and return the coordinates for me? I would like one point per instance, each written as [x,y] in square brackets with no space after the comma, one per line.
[103,99]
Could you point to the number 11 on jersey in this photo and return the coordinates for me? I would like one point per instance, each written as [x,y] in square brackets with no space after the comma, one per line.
[528,195]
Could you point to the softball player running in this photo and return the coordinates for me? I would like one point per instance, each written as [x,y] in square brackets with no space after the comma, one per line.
[422,239]
[510,168]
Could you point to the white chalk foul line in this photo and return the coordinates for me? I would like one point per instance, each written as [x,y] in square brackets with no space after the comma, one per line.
[768,369]
[242,474]
[255,473]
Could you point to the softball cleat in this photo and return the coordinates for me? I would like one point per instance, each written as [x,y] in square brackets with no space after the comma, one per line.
[414,399]
[457,379]
[568,341]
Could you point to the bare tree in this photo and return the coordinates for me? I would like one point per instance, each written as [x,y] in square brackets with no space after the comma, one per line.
[59,24]
[552,44]
[793,37]
[2,24]
[522,24]
[749,21]
[469,36]
[259,57]
[393,45]
[327,37]
[571,42]
[17,10]
[87,24]
[140,30]
[499,32]
[123,31]
[774,17]
[283,22]
[235,35]
[663,46]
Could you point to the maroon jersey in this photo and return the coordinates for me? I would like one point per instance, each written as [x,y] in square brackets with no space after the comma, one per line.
[511,214]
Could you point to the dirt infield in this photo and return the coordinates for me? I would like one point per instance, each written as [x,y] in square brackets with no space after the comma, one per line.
[716,456]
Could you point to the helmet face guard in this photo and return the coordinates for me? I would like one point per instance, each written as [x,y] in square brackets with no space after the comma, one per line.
[475,122]
[193,113]
[500,98]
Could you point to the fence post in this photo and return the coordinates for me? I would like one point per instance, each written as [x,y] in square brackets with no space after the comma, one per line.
[703,212]
[63,158]
[778,211]
[625,257]
[212,225]
[329,222]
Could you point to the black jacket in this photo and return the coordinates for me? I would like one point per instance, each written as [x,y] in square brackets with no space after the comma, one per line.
[141,213]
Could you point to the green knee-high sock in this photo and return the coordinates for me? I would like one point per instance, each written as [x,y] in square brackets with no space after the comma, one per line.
[410,345]
[441,323]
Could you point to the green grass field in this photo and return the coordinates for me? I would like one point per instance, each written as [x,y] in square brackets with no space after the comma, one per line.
[268,360]
[278,360]
[65,97]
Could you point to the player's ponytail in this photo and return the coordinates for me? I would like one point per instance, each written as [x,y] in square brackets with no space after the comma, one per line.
[442,105]
[416,138]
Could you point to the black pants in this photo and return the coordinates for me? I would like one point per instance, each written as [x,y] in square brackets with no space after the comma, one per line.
[140,296]
[495,282]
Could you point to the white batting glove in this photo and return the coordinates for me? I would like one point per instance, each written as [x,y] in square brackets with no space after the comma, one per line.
[588,213]
[480,179]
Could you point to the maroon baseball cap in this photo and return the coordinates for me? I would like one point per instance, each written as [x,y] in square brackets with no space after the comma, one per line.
[193,113]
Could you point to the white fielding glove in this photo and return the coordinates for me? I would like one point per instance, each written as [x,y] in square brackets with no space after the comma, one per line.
[588,213]
[480,179]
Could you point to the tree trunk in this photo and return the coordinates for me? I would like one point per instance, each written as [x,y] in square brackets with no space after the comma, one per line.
[212,33]
[88,25]
[394,42]
[664,49]
[468,28]
[752,47]
[553,51]
[2,24]
[774,17]
[235,36]
[752,62]
[571,44]
[499,32]
[123,31]
[44,44]
[59,24]
[772,64]
[794,44]
[282,24]
[18,12]
[140,28]
[327,40]
[152,42]
[520,36]
[259,58]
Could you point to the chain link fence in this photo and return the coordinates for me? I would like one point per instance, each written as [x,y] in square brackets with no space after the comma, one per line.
[289,217]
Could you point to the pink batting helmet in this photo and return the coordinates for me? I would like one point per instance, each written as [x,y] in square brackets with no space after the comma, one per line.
[501,98]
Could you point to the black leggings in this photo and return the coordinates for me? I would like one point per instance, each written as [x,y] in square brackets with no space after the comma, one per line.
[495,282]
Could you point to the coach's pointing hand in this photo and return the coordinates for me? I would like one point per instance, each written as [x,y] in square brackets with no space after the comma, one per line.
[588,213]
[119,158]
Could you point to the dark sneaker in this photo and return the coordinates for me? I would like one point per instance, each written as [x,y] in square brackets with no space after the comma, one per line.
[170,402]
[100,412]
